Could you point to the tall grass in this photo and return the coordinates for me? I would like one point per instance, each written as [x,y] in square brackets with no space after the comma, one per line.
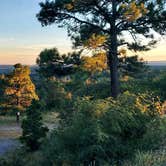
[157,158]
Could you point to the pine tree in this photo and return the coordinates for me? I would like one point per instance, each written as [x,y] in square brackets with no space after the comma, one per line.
[52,64]
[133,66]
[20,90]
[106,24]
[96,63]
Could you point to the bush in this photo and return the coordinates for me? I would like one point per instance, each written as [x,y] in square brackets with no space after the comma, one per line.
[53,96]
[149,159]
[83,84]
[20,157]
[154,83]
[33,129]
[16,158]
[155,136]
[102,131]
[159,84]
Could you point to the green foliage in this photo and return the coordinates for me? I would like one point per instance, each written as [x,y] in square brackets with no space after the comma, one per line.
[149,159]
[13,159]
[86,18]
[95,86]
[137,86]
[132,66]
[3,83]
[52,64]
[91,127]
[105,25]
[20,157]
[45,60]
[153,82]
[159,83]
[53,95]
[106,131]
[33,129]
[73,58]
[155,136]
[2,89]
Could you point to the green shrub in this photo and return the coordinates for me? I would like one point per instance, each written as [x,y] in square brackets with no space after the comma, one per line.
[155,136]
[53,96]
[15,158]
[33,129]
[105,131]
[20,157]
[159,84]
[83,84]
[149,159]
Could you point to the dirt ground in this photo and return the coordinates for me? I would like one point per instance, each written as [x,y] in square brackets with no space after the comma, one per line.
[9,134]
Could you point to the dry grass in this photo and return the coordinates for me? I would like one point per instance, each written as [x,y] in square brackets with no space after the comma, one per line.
[7,120]
[10,134]
[9,128]
[149,159]
[50,117]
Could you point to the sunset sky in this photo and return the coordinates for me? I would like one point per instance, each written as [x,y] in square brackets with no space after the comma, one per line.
[22,37]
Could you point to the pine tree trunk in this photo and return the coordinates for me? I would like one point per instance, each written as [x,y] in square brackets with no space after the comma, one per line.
[113,55]
[113,65]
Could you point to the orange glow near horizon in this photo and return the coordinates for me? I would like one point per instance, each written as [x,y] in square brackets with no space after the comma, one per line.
[28,55]
[22,37]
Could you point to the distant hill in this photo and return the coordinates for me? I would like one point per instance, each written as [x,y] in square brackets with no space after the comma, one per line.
[157,63]
[4,69]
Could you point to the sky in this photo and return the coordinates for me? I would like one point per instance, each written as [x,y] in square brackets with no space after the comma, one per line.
[22,37]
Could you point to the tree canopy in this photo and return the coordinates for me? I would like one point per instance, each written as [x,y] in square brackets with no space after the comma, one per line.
[107,22]
[96,63]
[52,63]
[132,66]
[20,90]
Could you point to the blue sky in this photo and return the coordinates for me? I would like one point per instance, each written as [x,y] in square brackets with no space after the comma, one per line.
[22,37]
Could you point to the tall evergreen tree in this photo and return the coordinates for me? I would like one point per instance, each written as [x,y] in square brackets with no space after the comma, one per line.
[20,90]
[105,24]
